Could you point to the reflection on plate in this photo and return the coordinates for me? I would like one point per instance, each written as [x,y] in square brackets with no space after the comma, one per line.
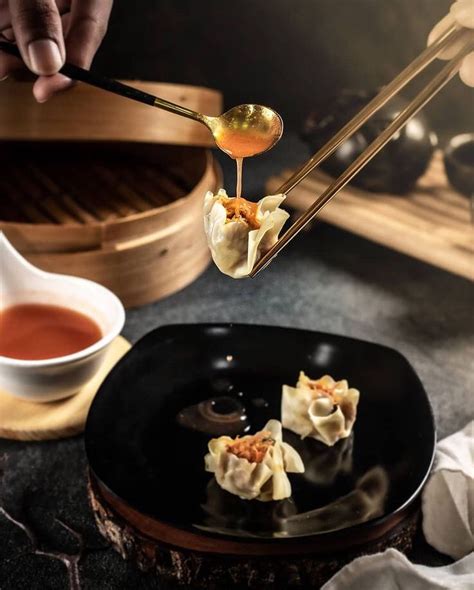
[324,464]
[154,463]
[228,514]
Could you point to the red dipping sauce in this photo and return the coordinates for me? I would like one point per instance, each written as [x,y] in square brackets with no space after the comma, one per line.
[39,331]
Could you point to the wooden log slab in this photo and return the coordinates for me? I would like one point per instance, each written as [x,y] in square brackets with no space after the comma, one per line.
[216,570]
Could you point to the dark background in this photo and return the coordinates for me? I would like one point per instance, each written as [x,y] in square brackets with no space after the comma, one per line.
[289,54]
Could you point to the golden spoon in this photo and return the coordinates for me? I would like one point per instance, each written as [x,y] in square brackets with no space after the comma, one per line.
[245,130]
[241,132]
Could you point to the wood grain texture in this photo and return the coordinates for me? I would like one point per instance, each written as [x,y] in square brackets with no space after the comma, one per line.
[98,219]
[88,113]
[24,420]
[432,223]
[222,563]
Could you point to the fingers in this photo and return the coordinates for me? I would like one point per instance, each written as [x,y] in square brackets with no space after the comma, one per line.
[7,65]
[463,12]
[466,72]
[4,15]
[38,32]
[438,30]
[86,27]
[46,86]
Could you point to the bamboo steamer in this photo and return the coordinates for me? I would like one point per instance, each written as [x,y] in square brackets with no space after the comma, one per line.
[100,187]
[87,113]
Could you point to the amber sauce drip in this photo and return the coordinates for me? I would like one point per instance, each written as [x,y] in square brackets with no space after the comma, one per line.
[238,187]
[240,146]
[40,331]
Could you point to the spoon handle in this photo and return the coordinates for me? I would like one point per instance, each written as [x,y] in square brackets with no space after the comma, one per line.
[88,77]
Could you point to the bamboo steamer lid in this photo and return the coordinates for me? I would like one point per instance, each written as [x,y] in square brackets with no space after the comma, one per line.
[88,113]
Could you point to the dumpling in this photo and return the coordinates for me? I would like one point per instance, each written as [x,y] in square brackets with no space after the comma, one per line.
[323,409]
[239,232]
[254,466]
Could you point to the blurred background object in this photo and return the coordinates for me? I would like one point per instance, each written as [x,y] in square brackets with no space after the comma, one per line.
[459,163]
[397,167]
[292,56]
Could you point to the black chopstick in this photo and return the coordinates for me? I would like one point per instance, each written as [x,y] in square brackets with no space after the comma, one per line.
[82,75]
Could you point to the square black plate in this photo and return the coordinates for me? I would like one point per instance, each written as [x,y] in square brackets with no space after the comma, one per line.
[138,451]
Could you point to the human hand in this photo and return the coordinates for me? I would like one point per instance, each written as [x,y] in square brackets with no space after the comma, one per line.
[49,31]
[461,14]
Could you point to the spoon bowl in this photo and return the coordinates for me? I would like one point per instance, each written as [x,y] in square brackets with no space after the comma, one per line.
[246,130]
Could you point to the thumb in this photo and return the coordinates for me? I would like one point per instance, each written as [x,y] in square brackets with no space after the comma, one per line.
[466,73]
[463,12]
[438,30]
[38,32]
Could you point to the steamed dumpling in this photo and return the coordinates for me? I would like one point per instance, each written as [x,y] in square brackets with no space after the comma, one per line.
[323,409]
[254,466]
[239,232]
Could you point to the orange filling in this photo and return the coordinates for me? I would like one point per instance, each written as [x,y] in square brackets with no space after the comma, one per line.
[241,209]
[253,448]
[324,387]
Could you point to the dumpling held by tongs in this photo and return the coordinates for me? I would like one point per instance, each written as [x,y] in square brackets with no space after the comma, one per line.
[239,232]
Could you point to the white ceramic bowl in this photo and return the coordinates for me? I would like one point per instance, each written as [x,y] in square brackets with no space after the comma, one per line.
[52,379]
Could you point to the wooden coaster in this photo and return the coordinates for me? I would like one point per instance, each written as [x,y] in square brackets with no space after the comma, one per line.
[23,420]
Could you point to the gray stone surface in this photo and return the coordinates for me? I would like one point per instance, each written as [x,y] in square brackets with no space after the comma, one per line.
[326,280]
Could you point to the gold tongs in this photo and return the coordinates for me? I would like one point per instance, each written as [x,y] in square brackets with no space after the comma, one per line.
[452,38]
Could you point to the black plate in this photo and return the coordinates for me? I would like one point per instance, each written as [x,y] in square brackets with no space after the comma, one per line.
[137,449]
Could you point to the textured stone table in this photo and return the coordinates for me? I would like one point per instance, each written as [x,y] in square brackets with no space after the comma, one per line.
[326,280]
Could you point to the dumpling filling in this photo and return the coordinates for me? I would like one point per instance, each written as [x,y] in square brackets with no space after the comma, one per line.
[253,448]
[239,209]
[239,232]
[323,408]
[254,466]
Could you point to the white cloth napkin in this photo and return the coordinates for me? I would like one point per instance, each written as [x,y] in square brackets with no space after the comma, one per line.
[391,570]
[448,525]
[448,497]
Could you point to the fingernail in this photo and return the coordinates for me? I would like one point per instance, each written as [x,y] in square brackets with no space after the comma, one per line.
[45,57]
[4,78]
